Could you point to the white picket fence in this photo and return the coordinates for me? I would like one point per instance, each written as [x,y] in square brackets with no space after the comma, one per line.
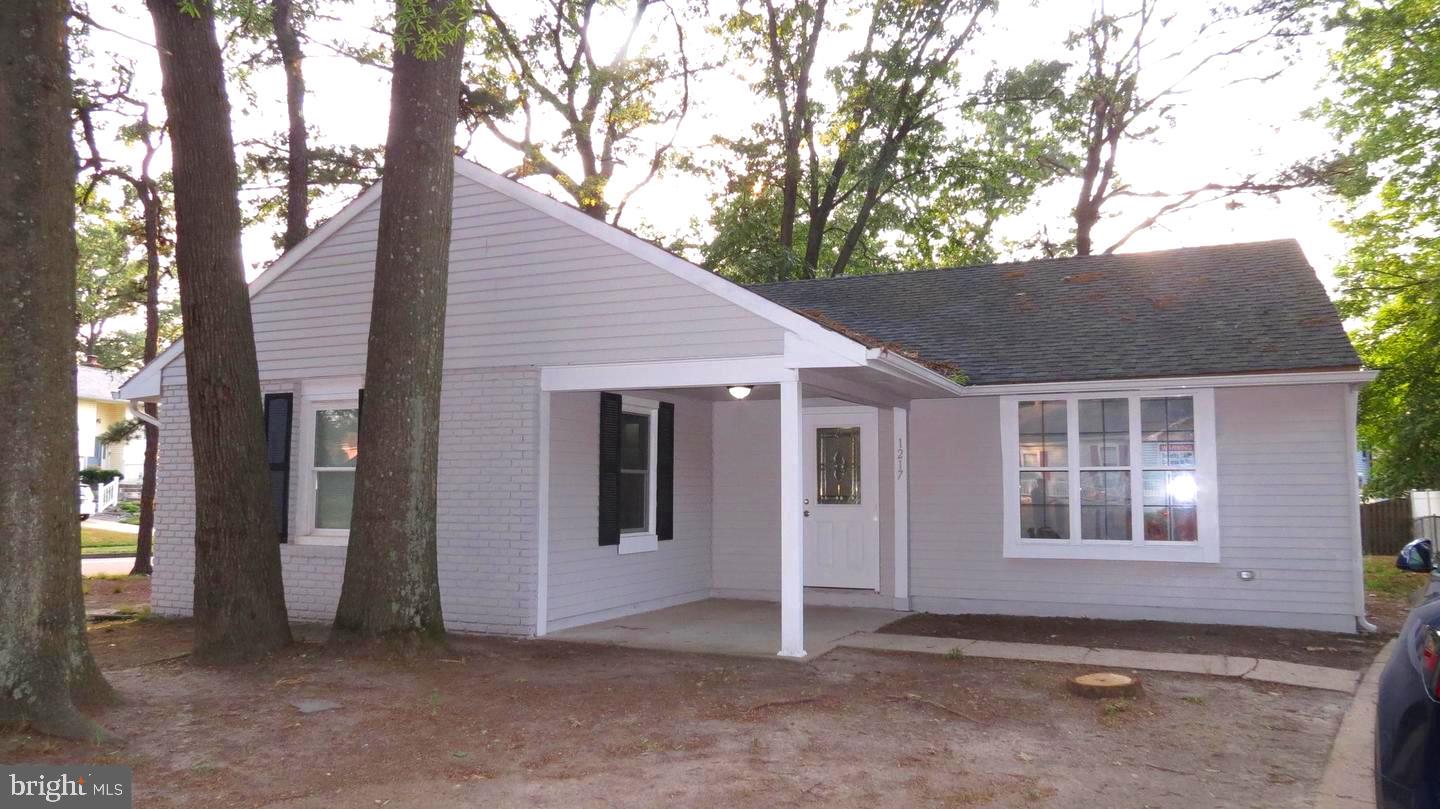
[109,496]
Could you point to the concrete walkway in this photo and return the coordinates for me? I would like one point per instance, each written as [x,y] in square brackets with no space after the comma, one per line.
[106,524]
[106,565]
[1245,668]
[1349,779]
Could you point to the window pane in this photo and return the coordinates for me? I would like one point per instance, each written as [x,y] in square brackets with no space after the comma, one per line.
[334,496]
[1105,505]
[1104,432]
[1043,436]
[1170,512]
[336,432]
[1167,427]
[634,508]
[837,465]
[634,442]
[1044,505]
[1170,488]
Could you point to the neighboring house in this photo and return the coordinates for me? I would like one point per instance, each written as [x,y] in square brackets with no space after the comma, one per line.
[1153,436]
[97,410]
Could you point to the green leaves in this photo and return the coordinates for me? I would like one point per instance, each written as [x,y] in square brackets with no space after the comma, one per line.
[906,163]
[1389,73]
[424,28]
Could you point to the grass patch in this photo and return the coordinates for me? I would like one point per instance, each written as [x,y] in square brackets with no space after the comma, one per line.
[103,541]
[1381,576]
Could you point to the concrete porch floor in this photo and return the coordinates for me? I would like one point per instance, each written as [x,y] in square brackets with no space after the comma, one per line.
[728,626]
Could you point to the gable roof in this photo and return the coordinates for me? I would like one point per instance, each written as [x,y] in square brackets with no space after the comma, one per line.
[1226,309]
[94,382]
[146,382]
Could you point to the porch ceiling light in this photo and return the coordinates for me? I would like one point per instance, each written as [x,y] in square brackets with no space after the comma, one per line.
[739,391]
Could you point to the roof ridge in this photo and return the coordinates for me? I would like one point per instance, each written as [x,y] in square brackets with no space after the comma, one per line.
[1031,261]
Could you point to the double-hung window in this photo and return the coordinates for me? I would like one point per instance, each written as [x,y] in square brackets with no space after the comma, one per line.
[639,423]
[1110,476]
[329,450]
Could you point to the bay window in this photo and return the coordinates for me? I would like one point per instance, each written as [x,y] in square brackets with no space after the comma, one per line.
[1110,476]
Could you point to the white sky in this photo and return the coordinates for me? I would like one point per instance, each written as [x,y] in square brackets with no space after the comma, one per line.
[1220,134]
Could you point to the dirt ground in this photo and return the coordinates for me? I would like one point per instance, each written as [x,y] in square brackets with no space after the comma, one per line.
[117,592]
[1294,646]
[539,723]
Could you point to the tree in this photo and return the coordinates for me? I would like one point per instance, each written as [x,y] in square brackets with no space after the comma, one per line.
[297,176]
[1124,93]
[391,588]
[45,663]
[904,152]
[129,348]
[239,596]
[304,168]
[1388,73]
[610,108]
[110,282]
[280,25]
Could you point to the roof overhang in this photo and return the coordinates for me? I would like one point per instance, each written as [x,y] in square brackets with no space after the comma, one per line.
[1344,377]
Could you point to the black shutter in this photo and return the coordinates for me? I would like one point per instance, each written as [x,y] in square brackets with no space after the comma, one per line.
[360,408]
[665,473]
[279,409]
[610,468]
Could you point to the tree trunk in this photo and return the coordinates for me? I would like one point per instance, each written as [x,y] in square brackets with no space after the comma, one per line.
[239,597]
[45,664]
[149,199]
[392,587]
[297,164]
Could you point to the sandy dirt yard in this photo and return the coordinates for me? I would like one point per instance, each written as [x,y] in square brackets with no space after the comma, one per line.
[538,723]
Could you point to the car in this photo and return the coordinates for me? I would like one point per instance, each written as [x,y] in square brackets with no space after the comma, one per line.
[1407,716]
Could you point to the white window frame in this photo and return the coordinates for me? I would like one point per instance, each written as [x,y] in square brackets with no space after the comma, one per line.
[644,540]
[1205,550]
[330,398]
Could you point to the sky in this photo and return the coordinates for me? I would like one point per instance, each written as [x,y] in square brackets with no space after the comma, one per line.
[1222,131]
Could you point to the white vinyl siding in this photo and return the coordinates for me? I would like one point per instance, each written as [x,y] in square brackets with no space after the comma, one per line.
[589,582]
[525,289]
[1283,484]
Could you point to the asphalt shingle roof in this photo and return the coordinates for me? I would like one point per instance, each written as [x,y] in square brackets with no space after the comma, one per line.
[96,383]
[1236,308]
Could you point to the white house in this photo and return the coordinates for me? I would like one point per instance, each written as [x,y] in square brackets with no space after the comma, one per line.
[1151,436]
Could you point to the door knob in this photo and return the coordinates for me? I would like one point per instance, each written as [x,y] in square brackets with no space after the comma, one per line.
[807,512]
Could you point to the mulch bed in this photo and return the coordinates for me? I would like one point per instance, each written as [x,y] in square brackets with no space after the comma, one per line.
[1352,652]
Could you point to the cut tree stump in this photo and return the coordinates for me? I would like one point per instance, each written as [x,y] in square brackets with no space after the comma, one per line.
[1105,685]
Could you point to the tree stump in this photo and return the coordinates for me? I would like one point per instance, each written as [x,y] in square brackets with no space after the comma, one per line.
[1105,685]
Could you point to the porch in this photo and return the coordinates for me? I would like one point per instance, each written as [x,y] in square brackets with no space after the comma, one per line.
[790,491]
[728,626]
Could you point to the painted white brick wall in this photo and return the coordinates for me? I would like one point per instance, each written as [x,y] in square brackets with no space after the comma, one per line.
[485,520]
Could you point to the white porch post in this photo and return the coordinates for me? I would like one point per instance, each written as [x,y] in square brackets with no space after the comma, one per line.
[542,520]
[902,509]
[792,520]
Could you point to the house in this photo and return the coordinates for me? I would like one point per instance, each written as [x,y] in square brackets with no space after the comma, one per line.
[97,410]
[1154,436]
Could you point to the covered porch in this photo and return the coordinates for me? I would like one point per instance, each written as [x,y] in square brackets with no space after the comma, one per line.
[791,490]
[728,626]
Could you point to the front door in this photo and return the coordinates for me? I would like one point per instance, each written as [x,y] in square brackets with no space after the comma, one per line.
[842,509]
